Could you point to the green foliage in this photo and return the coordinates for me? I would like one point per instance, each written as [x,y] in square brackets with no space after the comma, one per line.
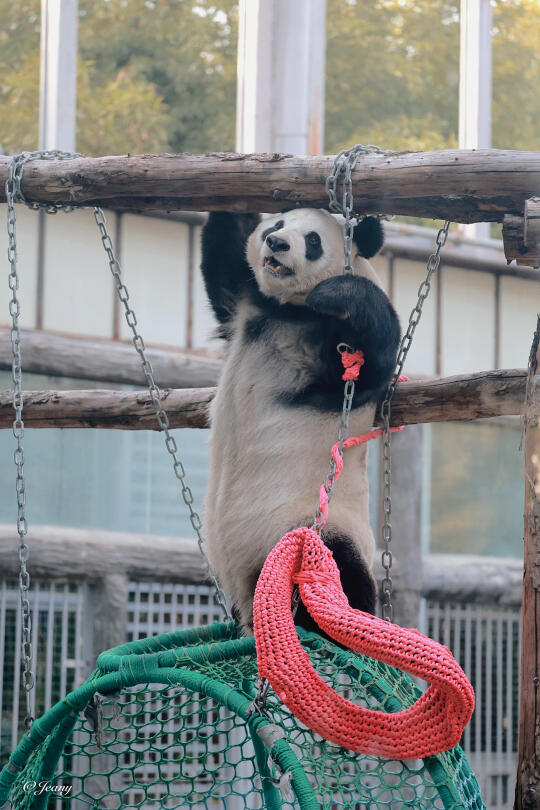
[516,74]
[152,76]
[19,74]
[392,74]
[185,50]
[158,75]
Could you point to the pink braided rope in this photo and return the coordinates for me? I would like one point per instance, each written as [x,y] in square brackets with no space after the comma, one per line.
[433,724]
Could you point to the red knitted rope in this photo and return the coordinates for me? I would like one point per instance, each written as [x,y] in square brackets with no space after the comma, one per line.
[433,724]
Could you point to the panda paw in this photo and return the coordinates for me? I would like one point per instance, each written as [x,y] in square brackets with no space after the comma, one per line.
[339,296]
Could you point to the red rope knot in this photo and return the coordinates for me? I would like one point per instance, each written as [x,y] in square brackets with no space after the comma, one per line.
[352,363]
[314,577]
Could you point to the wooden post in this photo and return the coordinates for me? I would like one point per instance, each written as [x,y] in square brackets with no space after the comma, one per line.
[528,773]
[407,518]
[521,235]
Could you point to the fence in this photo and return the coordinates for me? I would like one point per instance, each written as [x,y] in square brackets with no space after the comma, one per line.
[476,614]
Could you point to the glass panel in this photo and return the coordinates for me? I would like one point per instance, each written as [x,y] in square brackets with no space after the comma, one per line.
[392,74]
[158,76]
[476,489]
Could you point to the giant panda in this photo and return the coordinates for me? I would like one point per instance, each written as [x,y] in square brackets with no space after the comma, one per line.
[283,304]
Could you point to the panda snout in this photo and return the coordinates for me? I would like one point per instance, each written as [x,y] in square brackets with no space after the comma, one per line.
[276,244]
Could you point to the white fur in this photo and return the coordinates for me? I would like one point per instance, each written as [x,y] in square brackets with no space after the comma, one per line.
[307,275]
[268,460]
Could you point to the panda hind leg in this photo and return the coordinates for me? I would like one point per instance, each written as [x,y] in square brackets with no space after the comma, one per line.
[356,579]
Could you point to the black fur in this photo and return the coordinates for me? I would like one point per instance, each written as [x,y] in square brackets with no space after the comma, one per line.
[277,227]
[356,578]
[276,244]
[342,309]
[368,236]
[227,275]
[314,249]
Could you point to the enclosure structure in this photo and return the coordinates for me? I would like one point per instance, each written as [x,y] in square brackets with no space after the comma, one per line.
[493,394]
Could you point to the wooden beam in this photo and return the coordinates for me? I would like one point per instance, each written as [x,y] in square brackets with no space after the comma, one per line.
[461,185]
[531,229]
[528,772]
[462,398]
[521,235]
[95,553]
[107,361]
[466,578]
[90,554]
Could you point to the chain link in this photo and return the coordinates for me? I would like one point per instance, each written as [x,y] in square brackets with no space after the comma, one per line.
[405,345]
[343,433]
[345,163]
[18,164]
[156,397]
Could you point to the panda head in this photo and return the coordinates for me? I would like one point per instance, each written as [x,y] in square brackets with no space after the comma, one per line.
[291,253]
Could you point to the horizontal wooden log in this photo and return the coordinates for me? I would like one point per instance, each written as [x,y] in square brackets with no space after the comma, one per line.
[89,554]
[446,399]
[465,578]
[57,552]
[461,185]
[107,361]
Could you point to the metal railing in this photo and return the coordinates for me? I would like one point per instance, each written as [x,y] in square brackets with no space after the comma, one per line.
[481,625]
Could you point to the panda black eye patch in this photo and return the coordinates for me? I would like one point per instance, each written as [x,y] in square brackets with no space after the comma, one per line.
[313,246]
[277,227]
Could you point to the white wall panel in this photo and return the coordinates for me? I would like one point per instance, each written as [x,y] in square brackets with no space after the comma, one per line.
[520,303]
[155,267]
[78,294]
[27,238]
[204,322]
[467,321]
[408,276]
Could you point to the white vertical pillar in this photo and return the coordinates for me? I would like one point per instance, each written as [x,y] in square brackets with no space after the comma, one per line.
[281,64]
[475,84]
[57,109]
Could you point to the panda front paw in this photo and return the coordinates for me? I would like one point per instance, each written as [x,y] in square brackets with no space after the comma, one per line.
[339,296]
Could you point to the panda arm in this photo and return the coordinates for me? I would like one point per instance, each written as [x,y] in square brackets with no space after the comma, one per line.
[361,315]
[225,270]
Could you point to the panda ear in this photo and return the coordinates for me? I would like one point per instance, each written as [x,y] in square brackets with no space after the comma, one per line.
[368,236]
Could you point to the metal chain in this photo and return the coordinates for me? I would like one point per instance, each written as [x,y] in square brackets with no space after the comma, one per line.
[405,345]
[12,190]
[344,163]
[343,433]
[14,194]
[18,164]
[155,395]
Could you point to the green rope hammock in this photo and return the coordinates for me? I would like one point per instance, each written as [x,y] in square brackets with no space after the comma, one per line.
[165,722]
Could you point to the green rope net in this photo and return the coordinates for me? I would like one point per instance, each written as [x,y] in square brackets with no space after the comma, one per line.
[165,722]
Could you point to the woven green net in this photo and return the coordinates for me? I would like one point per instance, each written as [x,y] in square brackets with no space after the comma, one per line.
[165,722]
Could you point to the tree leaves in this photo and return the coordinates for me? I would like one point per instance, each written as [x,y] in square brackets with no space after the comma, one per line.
[158,75]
